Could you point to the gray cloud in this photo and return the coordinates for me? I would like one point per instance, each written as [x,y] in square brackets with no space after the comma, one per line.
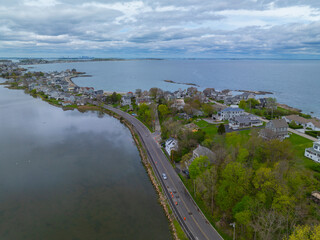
[168,28]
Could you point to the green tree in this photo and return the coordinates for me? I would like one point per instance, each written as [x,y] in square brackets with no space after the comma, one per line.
[271,105]
[243,155]
[305,233]
[207,109]
[221,129]
[252,103]
[242,104]
[144,113]
[114,97]
[164,110]
[199,165]
[153,92]
[234,184]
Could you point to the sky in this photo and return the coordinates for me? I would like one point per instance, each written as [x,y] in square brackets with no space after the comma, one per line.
[281,29]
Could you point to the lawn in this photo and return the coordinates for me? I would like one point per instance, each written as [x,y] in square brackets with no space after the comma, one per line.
[300,144]
[208,128]
[238,137]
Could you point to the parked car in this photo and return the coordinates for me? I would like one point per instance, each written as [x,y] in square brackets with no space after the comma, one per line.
[186,172]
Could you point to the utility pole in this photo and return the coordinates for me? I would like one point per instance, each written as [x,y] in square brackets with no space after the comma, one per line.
[234,230]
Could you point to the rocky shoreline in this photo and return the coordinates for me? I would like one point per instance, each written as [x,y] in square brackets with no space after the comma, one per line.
[255,92]
[189,84]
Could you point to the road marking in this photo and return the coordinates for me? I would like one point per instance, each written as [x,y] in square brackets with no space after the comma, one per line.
[205,235]
[143,128]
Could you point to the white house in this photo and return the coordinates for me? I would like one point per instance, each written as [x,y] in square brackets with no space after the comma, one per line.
[229,113]
[171,144]
[125,100]
[178,103]
[314,152]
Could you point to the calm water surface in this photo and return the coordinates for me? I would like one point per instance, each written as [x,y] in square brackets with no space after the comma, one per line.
[296,83]
[70,175]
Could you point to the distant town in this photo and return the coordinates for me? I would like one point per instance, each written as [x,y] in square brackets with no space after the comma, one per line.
[205,134]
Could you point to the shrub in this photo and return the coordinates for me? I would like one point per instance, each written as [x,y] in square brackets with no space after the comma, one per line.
[313,133]
[315,168]
[293,125]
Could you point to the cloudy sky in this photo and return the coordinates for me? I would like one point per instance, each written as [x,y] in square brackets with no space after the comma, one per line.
[166,28]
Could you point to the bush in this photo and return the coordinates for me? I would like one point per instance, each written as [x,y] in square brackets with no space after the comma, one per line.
[308,116]
[293,125]
[317,176]
[313,133]
[315,168]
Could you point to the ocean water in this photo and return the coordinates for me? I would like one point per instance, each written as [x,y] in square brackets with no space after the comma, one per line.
[293,82]
[71,175]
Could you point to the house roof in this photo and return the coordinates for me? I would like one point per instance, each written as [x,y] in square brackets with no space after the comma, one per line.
[242,119]
[316,194]
[299,119]
[279,123]
[203,151]
[230,109]
[315,122]
[171,140]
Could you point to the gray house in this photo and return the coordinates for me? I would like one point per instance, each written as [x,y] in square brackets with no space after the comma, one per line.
[244,121]
[201,151]
[277,128]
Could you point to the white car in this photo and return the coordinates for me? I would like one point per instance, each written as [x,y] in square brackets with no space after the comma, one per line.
[164,176]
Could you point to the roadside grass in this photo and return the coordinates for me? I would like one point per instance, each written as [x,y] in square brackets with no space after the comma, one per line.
[180,232]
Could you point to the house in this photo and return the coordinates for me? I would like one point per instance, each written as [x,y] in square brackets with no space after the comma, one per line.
[147,100]
[246,95]
[313,123]
[125,101]
[98,92]
[171,144]
[315,196]
[314,152]
[178,103]
[263,103]
[277,128]
[201,151]
[209,92]
[180,93]
[244,121]
[66,103]
[184,116]
[130,94]
[168,96]
[229,113]
[197,112]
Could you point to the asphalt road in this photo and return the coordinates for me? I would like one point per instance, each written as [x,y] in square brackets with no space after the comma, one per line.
[195,225]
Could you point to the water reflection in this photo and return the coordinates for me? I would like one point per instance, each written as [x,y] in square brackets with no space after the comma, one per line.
[68,175]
